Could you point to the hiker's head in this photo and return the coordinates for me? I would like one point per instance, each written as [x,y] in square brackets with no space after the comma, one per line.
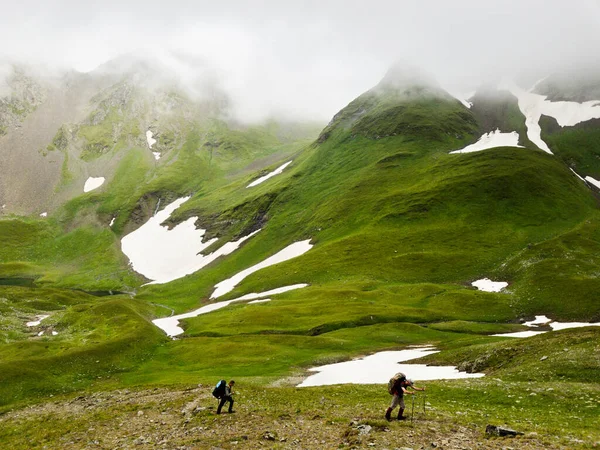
[408,382]
[231,383]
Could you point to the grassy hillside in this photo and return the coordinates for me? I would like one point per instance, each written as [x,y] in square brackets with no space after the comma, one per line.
[400,229]
[578,146]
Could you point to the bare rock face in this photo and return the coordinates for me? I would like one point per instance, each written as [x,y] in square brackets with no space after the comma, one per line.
[59,128]
[20,95]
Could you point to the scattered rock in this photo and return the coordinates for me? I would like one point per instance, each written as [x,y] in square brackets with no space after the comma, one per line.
[493,430]
[140,441]
[364,429]
[268,436]
[543,358]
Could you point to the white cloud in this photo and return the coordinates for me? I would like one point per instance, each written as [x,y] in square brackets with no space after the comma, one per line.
[308,58]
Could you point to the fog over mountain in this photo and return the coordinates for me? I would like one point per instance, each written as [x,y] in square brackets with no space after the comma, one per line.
[306,59]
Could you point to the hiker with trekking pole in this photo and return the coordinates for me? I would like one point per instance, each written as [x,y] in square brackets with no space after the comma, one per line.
[398,387]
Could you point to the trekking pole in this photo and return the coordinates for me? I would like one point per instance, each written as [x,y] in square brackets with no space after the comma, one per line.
[412,412]
[424,399]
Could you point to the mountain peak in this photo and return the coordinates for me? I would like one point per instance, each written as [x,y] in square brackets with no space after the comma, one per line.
[406,102]
[401,76]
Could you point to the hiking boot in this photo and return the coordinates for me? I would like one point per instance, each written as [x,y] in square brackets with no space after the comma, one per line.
[388,414]
[230,411]
[402,417]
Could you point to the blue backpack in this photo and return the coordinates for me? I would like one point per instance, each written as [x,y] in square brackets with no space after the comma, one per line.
[219,390]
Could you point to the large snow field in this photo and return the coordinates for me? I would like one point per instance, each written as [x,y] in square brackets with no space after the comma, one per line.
[170,325]
[380,367]
[164,255]
[491,140]
[269,175]
[93,183]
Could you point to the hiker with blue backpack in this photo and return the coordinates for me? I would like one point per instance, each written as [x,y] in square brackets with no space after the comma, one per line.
[224,393]
[398,386]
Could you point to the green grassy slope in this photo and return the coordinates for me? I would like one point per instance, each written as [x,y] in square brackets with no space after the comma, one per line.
[84,339]
[86,257]
[578,146]
[400,229]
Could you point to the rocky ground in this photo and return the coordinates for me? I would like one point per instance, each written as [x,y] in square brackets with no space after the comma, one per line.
[187,419]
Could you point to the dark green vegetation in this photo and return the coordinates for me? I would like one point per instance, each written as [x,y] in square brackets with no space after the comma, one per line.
[400,229]
[578,146]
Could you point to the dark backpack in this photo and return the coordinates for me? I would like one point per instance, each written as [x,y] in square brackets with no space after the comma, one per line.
[219,390]
[396,379]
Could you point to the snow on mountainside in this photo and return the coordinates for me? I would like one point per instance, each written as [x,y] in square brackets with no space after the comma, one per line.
[566,113]
[491,140]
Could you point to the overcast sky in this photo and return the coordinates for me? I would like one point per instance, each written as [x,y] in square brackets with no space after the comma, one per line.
[310,58]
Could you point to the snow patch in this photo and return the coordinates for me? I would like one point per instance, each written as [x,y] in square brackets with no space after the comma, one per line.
[156,155]
[533,106]
[539,320]
[93,183]
[112,221]
[280,290]
[269,175]
[578,176]
[491,140]
[463,97]
[164,255]
[543,320]
[520,334]
[291,251]
[170,325]
[593,181]
[264,300]
[565,325]
[40,333]
[54,333]
[487,285]
[44,214]
[39,318]
[151,141]
[380,367]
